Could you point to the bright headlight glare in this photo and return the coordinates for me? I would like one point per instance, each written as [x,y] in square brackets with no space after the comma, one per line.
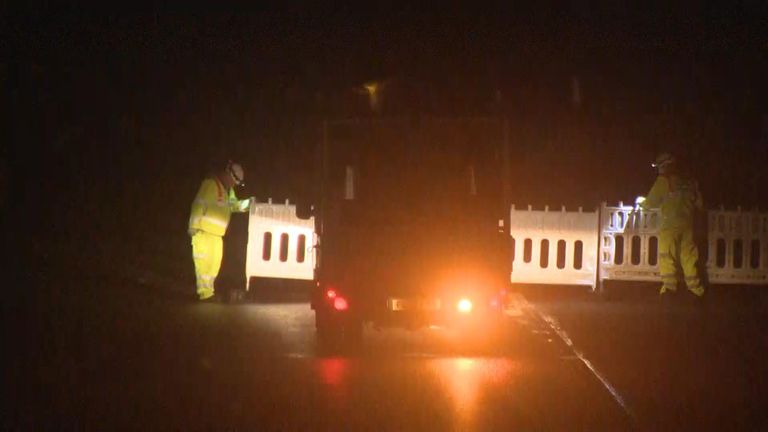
[464,306]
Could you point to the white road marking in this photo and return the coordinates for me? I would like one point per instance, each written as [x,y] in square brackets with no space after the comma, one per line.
[555,326]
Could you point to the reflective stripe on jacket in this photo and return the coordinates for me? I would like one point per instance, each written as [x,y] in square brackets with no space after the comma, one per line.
[213,206]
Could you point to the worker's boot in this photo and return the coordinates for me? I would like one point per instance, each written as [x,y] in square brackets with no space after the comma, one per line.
[697,297]
[213,298]
[667,295]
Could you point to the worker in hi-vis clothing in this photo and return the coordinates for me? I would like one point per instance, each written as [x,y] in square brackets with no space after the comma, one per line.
[678,198]
[208,220]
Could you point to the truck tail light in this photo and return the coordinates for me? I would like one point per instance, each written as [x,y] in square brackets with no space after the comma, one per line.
[340,304]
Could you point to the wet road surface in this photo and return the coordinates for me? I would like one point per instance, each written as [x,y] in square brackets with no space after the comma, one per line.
[130,358]
[679,366]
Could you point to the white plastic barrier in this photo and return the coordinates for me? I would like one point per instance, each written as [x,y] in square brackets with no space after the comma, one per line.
[736,251]
[554,247]
[737,247]
[280,245]
[629,243]
[548,247]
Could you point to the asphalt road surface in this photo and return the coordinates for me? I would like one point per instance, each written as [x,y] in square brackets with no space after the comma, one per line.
[112,353]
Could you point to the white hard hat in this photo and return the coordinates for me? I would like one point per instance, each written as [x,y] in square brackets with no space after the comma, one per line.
[236,171]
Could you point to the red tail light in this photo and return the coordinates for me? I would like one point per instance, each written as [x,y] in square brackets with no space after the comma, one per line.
[340,304]
[331,294]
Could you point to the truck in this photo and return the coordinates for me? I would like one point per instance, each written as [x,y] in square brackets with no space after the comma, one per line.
[411,218]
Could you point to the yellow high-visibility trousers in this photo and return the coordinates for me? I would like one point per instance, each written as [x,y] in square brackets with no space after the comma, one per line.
[206,253]
[677,249]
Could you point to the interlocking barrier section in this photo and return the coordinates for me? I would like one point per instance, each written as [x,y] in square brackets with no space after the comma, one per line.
[734,253]
[622,244]
[554,247]
[280,245]
[629,242]
[737,247]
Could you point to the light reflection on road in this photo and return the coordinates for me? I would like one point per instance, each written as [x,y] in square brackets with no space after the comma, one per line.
[427,379]
[442,362]
[333,371]
[464,380]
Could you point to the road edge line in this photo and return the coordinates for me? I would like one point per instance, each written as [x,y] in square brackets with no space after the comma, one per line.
[555,326]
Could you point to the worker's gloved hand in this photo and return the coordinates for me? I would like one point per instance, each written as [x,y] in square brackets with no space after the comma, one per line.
[245,204]
[639,202]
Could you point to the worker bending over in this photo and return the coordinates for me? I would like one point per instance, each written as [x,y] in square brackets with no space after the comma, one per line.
[208,221]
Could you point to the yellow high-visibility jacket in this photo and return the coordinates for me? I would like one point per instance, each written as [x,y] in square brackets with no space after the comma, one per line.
[678,198]
[213,206]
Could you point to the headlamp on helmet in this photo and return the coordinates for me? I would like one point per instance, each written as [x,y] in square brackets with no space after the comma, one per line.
[236,172]
[663,160]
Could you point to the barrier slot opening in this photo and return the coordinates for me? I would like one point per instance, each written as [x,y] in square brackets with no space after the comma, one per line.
[544,258]
[527,247]
[653,250]
[266,251]
[618,251]
[754,255]
[720,253]
[738,253]
[301,247]
[578,251]
[283,247]
[561,254]
[635,253]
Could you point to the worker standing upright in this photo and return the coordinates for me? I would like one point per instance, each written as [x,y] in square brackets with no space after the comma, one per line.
[678,198]
[208,221]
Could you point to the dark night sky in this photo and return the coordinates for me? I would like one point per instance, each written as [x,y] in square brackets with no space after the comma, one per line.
[111,106]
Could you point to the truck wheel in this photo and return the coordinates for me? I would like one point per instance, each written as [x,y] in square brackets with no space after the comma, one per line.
[335,331]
